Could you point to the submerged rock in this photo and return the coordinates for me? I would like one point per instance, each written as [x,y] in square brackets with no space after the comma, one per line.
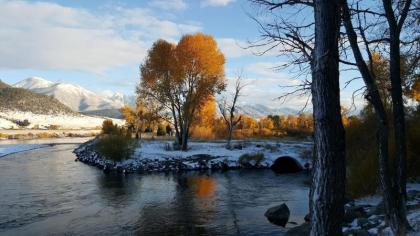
[301,230]
[278,215]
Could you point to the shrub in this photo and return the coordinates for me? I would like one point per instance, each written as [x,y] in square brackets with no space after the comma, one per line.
[202,132]
[115,143]
[22,123]
[115,147]
[246,159]
[168,129]
[148,130]
[362,159]
[53,127]
[108,127]
[160,131]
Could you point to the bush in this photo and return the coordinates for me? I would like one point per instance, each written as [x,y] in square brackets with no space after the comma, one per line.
[108,127]
[115,147]
[246,159]
[115,143]
[168,129]
[362,159]
[53,127]
[22,123]
[202,132]
[160,131]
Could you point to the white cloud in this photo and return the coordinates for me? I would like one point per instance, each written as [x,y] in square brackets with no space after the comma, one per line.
[177,5]
[215,3]
[233,48]
[50,36]
[270,70]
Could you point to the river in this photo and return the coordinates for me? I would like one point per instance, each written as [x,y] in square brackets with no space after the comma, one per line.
[45,192]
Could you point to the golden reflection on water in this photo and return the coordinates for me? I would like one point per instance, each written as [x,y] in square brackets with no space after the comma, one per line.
[203,186]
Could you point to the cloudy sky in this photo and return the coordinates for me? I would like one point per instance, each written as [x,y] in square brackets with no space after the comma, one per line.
[99,44]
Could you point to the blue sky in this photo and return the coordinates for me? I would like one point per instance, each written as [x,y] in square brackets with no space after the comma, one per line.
[99,44]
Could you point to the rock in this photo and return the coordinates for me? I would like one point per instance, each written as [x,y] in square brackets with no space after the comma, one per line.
[378,210]
[353,212]
[413,194]
[307,218]
[356,232]
[301,230]
[278,215]
[362,222]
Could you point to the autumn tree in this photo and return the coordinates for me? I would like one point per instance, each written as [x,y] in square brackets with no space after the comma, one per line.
[204,121]
[228,110]
[181,77]
[144,114]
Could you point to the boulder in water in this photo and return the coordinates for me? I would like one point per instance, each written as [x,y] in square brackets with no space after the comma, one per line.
[278,215]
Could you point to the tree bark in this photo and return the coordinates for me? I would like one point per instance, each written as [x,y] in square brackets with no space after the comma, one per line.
[329,139]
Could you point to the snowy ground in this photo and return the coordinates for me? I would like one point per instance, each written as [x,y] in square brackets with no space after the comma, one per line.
[64,121]
[159,156]
[6,149]
[373,220]
[6,124]
[271,149]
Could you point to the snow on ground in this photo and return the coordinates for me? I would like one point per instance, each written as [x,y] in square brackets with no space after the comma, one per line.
[64,121]
[373,221]
[6,149]
[6,124]
[271,149]
[160,156]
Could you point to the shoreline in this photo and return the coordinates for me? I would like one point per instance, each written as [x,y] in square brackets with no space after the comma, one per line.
[151,157]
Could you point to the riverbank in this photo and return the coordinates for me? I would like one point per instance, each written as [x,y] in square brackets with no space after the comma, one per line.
[366,216]
[25,134]
[155,156]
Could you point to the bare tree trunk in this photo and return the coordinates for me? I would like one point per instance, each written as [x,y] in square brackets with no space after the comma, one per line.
[329,139]
[184,142]
[395,26]
[399,134]
[390,197]
[229,139]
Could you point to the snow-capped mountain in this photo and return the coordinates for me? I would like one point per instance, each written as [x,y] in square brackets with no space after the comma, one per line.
[33,83]
[74,96]
[259,110]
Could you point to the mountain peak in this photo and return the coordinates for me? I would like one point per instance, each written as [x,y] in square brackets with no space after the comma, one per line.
[33,83]
[72,95]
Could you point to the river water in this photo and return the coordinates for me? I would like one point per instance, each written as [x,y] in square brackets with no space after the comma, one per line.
[45,192]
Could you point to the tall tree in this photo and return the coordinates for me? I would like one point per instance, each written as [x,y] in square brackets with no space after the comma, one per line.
[329,140]
[374,97]
[395,23]
[181,77]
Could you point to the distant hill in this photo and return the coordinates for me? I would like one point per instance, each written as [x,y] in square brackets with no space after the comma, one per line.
[111,113]
[26,101]
[73,96]
[3,85]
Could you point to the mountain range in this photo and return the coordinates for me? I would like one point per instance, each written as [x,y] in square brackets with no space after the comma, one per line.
[74,96]
[108,104]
